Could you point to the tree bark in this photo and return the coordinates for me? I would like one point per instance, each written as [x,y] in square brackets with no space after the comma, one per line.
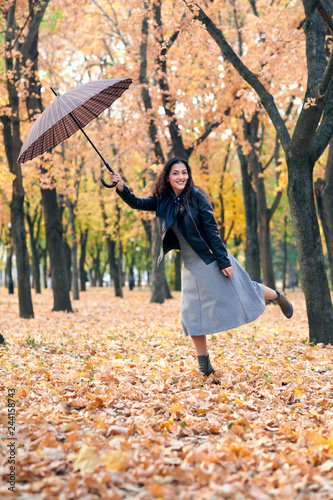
[285,254]
[309,247]
[178,271]
[55,246]
[68,262]
[114,267]
[167,293]
[43,252]
[83,245]
[252,251]
[324,196]
[96,265]
[9,282]
[34,252]
[75,272]
[250,134]
[158,277]
[22,257]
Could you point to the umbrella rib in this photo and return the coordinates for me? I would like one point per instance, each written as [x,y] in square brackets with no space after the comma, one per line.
[54,139]
[64,124]
[42,137]
[86,110]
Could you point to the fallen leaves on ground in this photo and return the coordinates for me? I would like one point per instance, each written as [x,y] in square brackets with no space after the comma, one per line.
[109,404]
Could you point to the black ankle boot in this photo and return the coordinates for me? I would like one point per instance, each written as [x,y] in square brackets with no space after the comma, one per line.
[285,306]
[204,365]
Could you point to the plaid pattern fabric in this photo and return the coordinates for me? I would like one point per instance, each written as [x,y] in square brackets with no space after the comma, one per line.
[56,124]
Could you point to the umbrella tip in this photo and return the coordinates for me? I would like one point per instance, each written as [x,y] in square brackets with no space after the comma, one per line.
[54,91]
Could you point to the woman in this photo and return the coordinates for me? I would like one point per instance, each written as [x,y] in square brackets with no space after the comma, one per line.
[217,293]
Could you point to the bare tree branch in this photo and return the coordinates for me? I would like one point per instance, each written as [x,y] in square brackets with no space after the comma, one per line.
[229,54]
[254,7]
[209,128]
[275,204]
[113,22]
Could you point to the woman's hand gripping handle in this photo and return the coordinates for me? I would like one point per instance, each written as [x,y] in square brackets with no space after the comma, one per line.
[119,183]
[116,180]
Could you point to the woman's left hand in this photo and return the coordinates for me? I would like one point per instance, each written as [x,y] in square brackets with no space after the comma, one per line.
[228,272]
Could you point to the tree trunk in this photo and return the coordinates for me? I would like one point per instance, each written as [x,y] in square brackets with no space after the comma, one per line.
[324,196]
[167,293]
[68,263]
[75,273]
[114,267]
[309,247]
[178,272]
[250,133]
[55,246]
[12,141]
[285,254]
[22,256]
[120,261]
[100,277]
[252,252]
[83,245]
[158,277]
[265,250]
[35,254]
[159,289]
[96,264]
[93,277]
[44,266]
[9,282]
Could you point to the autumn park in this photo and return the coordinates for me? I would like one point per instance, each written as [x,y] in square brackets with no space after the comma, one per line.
[166,249]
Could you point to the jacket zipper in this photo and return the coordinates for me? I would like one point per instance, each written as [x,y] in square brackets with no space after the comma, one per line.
[198,229]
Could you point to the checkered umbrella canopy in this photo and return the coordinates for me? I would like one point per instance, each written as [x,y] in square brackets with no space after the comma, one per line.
[69,113]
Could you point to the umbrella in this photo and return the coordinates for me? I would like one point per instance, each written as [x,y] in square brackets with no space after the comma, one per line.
[69,113]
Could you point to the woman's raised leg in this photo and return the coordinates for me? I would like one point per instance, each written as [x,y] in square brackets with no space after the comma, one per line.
[280,298]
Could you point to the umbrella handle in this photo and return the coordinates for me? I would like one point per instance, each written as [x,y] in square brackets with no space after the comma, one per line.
[103,181]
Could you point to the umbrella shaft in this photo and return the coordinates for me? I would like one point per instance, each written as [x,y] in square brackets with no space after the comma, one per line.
[93,145]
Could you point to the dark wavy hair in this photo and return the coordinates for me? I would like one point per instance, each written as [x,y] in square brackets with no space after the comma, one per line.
[163,188]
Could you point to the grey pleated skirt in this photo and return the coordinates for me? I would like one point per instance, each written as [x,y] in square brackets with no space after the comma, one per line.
[211,302]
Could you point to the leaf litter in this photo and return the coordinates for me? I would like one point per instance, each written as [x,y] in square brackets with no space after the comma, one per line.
[109,404]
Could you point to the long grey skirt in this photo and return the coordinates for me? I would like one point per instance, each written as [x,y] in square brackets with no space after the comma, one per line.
[211,302]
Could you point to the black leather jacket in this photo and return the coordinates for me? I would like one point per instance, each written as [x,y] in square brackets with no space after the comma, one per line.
[196,222]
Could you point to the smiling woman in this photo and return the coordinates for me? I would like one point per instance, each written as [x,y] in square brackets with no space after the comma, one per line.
[217,293]
[178,178]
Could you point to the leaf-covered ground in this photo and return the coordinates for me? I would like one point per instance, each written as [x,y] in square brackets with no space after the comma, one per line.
[109,404]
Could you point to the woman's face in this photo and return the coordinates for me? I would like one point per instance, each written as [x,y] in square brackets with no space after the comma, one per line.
[178,177]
